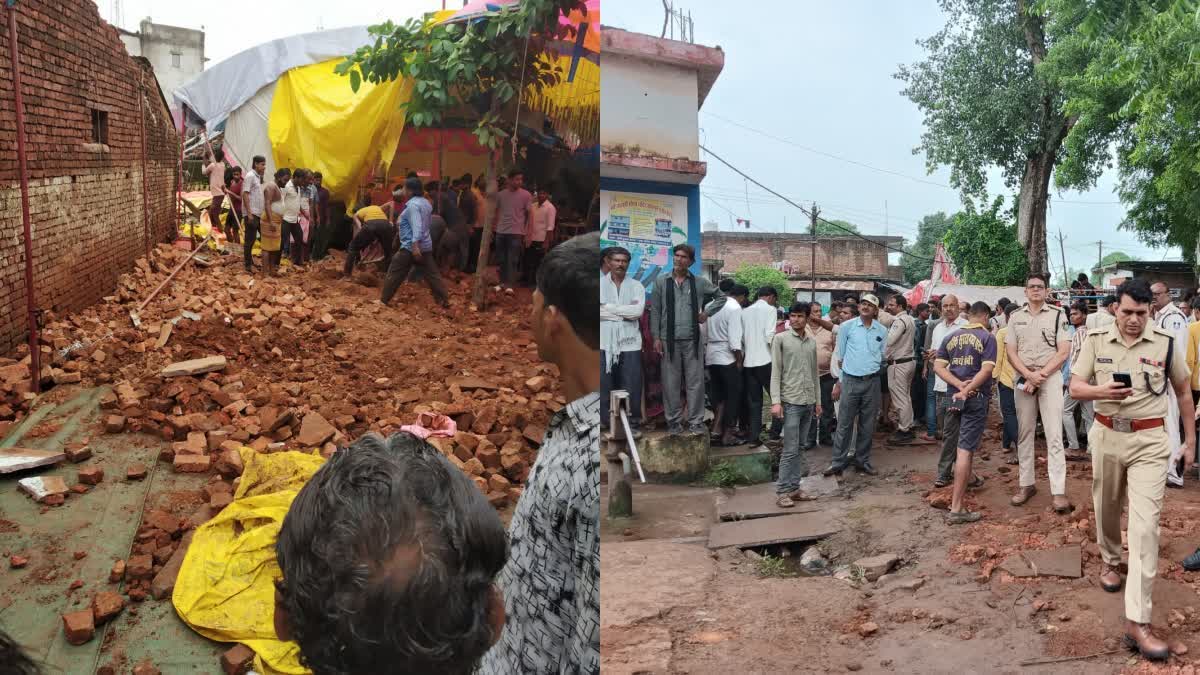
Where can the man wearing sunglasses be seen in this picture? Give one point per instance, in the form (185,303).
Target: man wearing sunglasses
(1037,344)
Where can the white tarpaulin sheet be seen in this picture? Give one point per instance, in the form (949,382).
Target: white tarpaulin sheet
(988,294)
(246,130)
(218,91)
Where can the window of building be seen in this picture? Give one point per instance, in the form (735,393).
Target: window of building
(100,126)
(176,60)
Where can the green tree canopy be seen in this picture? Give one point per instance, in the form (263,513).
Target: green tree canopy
(930,230)
(984,247)
(987,104)
(835,227)
(1139,88)
(757,276)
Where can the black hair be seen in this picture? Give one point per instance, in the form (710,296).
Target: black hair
(851,300)
(616,250)
(922,307)
(466,178)
(411,174)
(726,285)
(515,172)
(317,174)
(388,555)
(980,307)
(567,280)
(1109,300)
(1004,302)
(1012,307)
(413,184)
(800,308)
(1080,305)
(686,248)
(219,154)
(431,186)
(1042,276)
(258,159)
(739,289)
(1138,291)
(1195,304)
(1082,276)
(767,292)
(281,172)
(901,301)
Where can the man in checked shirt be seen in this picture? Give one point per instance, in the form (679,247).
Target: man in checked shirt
(551,584)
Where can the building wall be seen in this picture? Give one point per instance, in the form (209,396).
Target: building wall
(651,107)
(86,200)
(639,269)
(837,256)
(160,43)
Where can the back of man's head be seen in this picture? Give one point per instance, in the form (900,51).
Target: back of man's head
(388,555)
(567,280)
(726,285)
(413,185)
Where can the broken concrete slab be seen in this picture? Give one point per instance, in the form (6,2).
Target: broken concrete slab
(20,459)
(42,487)
(820,486)
(766,531)
(207,364)
(315,430)
(466,383)
(756,501)
(1064,561)
(875,566)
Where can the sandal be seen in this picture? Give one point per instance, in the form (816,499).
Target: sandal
(940,483)
(784,502)
(800,496)
(976,481)
(962,517)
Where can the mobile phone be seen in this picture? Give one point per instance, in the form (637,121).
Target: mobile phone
(1020,383)
(1125,379)
(955,405)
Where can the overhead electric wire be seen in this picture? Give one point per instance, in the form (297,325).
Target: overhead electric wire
(808,213)
(868,166)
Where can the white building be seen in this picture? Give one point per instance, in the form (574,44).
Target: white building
(651,90)
(177,54)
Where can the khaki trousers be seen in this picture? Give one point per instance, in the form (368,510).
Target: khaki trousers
(900,387)
(1130,464)
(1049,400)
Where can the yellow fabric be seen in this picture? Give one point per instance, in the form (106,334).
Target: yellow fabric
(369,213)
(1193,354)
(318,123)
(1004,368)
(225,590)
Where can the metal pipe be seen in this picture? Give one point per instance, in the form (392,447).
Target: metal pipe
(145,162)
(35,354)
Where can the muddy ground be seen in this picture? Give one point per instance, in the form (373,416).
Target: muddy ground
(672,606)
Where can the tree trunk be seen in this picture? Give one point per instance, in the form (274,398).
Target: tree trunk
(1031,216)
(479,293)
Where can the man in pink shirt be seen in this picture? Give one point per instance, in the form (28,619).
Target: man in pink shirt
(215,170)
(541,232)
(512,222)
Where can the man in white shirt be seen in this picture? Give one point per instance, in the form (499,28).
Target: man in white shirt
(723,354)
(901,363)
(541,232)
(758,329)
(252,200)
(1168,317)
(951,321)
(293,235)
(622,302)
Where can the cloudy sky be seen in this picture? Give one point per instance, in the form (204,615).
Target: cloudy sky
(805,80)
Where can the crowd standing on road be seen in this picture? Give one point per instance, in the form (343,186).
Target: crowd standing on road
(1121,380)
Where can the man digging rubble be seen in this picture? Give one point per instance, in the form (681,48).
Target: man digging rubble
(1135,366)
(416,247)
(552,581)
(965,360)
(1037,344)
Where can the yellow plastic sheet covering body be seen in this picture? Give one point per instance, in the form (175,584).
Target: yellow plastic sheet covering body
(318,123)
(226,587)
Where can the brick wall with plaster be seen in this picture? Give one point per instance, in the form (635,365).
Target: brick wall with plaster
(86,198)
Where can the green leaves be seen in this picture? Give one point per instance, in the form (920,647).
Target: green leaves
(755,277)
(984,247)
(355,80)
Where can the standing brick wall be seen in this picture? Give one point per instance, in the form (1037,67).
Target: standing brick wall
(836,256)
(86,200)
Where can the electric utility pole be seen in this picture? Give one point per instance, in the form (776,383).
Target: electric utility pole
(1063,253)
(812,270)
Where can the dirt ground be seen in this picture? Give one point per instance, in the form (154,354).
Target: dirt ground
(672,606)
(313,363)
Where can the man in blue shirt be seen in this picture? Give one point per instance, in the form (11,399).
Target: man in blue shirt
(860,352)
(416,246)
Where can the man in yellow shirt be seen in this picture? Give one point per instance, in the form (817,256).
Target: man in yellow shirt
(1193,349)
(371,224)
(1004,378)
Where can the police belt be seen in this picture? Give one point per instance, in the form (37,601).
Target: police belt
(1126,424)
(896,362)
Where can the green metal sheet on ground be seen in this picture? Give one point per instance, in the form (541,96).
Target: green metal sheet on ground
(102,524)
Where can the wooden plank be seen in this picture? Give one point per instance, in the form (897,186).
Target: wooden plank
(766,531)
(757,501)
(207,364)
(20,459)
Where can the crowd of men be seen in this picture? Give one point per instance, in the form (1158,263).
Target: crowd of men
(420,228)
(1122,380)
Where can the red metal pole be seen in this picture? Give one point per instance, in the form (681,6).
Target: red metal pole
(145,163)
(35,354)
(179,177)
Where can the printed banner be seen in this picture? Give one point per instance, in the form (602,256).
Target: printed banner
(649,225)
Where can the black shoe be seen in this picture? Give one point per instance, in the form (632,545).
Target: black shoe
(1192,562)
(832,471)
(867,469)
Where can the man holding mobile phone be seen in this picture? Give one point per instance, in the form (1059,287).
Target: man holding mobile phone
(1130,446)
(1037,343)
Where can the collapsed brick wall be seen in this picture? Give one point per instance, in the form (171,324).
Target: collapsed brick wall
(86,199)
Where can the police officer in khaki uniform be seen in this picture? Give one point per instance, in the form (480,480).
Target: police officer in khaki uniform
(1037,344)
(1129,446)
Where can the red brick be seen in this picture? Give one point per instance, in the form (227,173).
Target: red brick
(18,561)
(118,572)
(237,661)
(192,463)
(135,472)
(106,606)
(91,475)
(140,567)
(114,424)
(79,627)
